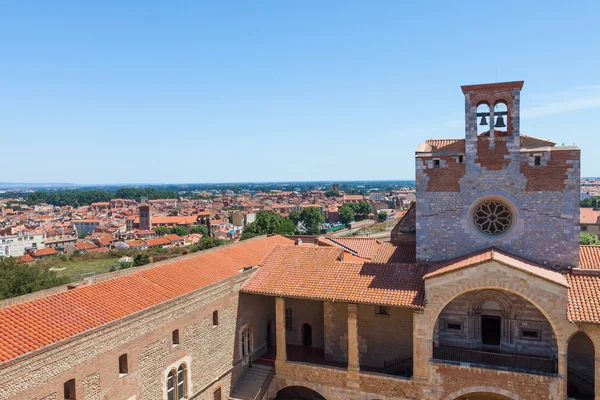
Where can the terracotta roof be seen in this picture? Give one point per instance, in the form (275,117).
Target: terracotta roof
(25,258)
(589,216)
(404,253)
(136,243)
(446,144)
(83,245)
(48,251)
(31,325)
(361,247)
(158,242)
(408,223)
(584,295)
(459,144)
(316,273)
(589,257)
(492,254)
(173,238)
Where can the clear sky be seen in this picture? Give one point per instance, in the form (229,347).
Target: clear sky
(173,91)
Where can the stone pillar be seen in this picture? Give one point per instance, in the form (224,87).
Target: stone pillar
(422,346)
(280,329)
(353,348)
(562,371)
(353,381)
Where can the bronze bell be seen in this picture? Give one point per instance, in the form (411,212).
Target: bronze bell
(499,122)
(483,121)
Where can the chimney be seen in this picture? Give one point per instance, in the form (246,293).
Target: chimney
(298,242)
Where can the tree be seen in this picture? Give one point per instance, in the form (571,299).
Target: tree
(141,259)
(268,222)
(209,242)
(311,219)
(590,202)
(162,230)
(588,238)
(346,213)
(332,193)
(363,208)
(382,216)
(179,230)
(294,215)
(17,279)
(202,229)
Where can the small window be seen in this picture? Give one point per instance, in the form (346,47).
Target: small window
(175,337)
(584,227)
(215,318)
(69,388)
(538,160)
(123,368)
(453,326)
(461,158)
(288,319)
(436,163)
(382,310)
(530,334)
(217,394)
(181,384)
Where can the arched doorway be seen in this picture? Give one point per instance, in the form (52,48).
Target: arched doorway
(483,396)
(306,335)
(298,393)
(580,367)
(495,328)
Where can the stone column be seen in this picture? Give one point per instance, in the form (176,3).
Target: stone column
(353,349)
(280,329)
(353,381)
(562,371)
(422,346)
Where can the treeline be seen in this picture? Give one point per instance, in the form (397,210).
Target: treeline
(590,202)
(86,197)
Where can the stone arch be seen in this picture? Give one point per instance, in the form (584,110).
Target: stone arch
(298,392)
(483,389)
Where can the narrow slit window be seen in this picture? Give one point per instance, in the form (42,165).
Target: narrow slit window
(538,160)
(461,158)
(382,310)
(217,394)
(530,334)
(453,326)
(288,319)
(69,389)
(215,318)
(123,367)
(175,337)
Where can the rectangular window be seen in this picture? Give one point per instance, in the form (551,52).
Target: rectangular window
(461,158)
(584,227)
(217,394)
(69,388)
(175,337)
(180,383)
(453,326)
(382,310)
(288,319)
(215,318)
(123,367)
(538,160)
(436,163)
(243,343)
(530,334)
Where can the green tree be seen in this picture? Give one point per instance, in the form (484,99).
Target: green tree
(202,229)
(141,259)
(162,230)
(179,230)
(311,219)
(588,238)
(209,242)
(346,213)
(268,222)
(294,215)
(332,193)
(363,208)
(382,216)
(18,279)
(590,202)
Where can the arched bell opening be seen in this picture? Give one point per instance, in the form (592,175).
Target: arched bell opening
(500,117)
(483,118)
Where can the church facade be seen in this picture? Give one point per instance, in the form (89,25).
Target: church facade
(483,293)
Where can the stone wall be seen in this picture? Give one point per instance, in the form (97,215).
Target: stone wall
(383,337)
(305,312)
(336,331)
(92,358)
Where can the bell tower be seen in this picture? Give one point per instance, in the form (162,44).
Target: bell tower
(497,187)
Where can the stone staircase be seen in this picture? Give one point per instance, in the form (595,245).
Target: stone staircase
(250,384)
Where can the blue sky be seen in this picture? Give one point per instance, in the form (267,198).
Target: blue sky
(117,92)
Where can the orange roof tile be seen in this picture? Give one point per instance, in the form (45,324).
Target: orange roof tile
(31,325)
(589,257)
(405,253)
(584,298)
(362,247)
(589,216)
(316,273)
(83,245)
(48,251)
(158,242)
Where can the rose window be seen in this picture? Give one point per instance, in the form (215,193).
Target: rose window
(492,218)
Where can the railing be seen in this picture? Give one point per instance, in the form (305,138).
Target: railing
(581,382)
(265,386)
(401,366)
(548,365)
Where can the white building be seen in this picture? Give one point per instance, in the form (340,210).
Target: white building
(16,245)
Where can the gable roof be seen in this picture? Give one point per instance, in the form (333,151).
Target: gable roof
(34,324)
(492,254)
(589,216)
(361,247)
(589,256)
(408,222)
(583,305)
(316,273)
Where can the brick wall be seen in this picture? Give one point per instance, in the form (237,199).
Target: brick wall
(305,312)
(336,331)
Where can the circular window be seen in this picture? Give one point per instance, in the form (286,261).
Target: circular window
(492,218)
